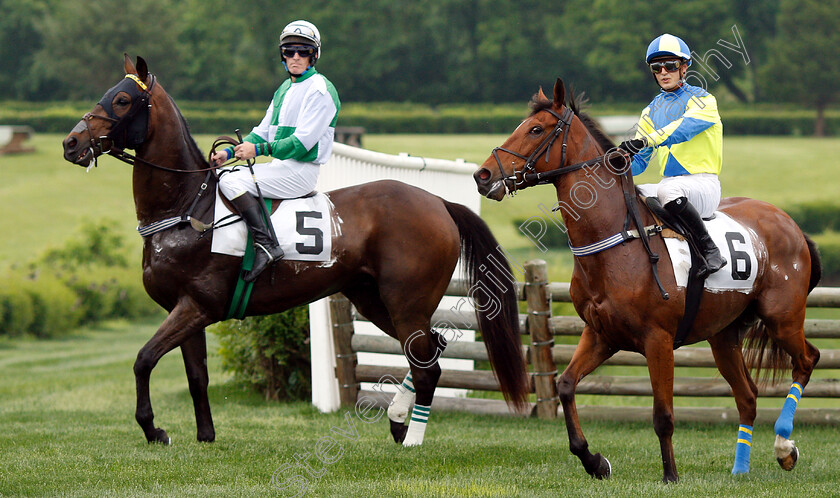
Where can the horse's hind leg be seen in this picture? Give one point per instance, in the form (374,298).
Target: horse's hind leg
(365,296)
(726,348)
(194,351)
(182,323)
(589,354)
(786,329)
(804,357)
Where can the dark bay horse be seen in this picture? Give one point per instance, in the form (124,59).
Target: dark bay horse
(615,292)
(394,257)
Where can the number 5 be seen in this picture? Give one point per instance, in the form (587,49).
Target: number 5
(304,230)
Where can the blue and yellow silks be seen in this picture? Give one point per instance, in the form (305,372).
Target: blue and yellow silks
(684,131)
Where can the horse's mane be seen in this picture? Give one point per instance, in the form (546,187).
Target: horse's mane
(194,149)
(577,102)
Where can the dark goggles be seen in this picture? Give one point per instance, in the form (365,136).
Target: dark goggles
(302,50)
(670,66)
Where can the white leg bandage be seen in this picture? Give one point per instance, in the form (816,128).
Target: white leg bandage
(417,426)
(398,410)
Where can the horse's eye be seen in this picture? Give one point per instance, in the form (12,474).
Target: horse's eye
(122,101)
(537,130)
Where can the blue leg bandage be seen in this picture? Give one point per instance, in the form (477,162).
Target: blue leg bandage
(784,424)
(742,450)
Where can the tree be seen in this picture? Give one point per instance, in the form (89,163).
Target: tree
(804,67)
(84,42)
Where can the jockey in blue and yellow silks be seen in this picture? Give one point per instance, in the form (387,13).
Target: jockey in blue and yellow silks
(681,132)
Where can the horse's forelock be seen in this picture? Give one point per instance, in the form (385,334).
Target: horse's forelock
(539,103)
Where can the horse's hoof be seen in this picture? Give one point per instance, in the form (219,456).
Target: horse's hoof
(789,462)
(160,436)
(604,469)
(398,430)
(206,438)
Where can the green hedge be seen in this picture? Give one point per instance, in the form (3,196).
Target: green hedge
(86,281)
(269,353)
(223,117)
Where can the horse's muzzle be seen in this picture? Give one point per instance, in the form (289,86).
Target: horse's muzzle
(77,151)
(487,186)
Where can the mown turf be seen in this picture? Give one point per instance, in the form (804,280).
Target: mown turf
(67,429)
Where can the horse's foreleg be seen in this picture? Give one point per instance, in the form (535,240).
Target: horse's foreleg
(589,354)
(182,323)
(726,348)
(194,351)
(660,360)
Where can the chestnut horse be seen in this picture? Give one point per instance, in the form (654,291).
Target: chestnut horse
(617,296)
(393,258)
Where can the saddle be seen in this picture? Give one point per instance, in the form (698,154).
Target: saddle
(694,288)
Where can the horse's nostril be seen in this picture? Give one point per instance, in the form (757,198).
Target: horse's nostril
(484,174)
(71,143)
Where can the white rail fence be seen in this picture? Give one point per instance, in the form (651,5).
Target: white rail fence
(451,180)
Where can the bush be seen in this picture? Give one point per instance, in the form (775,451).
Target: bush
(16,308)
(829,247)
(816,217)
(270,353)
(55,306)
(85,281)
(397,117)
(553,238)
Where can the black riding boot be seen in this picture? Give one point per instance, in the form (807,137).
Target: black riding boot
(266,251)
(681,209)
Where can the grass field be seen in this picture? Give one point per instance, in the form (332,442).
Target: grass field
(67,429)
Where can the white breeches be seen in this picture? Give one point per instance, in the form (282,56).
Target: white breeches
(286,179)
(702,190)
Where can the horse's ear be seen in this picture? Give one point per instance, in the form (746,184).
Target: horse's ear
(559,93)
(129,66)
(541,95)
(142,68)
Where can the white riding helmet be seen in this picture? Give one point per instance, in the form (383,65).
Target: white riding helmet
(302,32)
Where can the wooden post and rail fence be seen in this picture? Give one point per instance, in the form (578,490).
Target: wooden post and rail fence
(544,358)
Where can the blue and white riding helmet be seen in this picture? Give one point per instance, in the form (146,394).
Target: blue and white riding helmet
(668,45)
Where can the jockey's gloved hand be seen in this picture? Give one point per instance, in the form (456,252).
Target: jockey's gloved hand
(633,146)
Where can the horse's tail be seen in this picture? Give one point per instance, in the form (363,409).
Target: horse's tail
(816,263)
(493,290)
(761,352)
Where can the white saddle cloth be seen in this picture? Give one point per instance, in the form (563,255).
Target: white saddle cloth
(736,245)
(303,228)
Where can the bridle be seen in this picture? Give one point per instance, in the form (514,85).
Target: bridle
(528,177)
(524,177)
(128,131)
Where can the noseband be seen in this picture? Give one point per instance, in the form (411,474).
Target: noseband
(128,130)
(525,177)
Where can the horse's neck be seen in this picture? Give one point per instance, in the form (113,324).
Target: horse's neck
(591,200)
(161,194)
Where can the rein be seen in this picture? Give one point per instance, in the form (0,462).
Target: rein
(141,102)
(530,177)
(562,126)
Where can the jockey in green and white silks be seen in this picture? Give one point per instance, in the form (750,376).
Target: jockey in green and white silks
(297,132)
(681,131)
